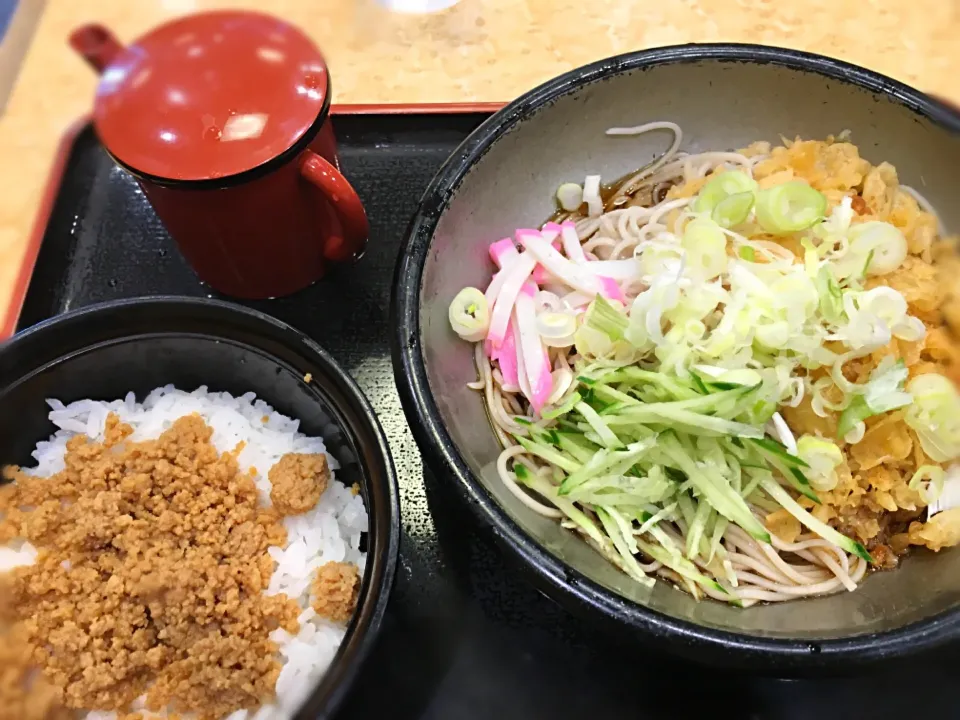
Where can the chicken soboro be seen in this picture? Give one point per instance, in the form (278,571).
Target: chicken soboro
(335,590)
(150,575)
(297,481)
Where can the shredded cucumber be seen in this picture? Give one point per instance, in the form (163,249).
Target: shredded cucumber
(560,410)
(716,491)
(683,567)
(575,445)
(628,561)
(648,521)
(619,490)
(614,395)
(634,375)
(787,465)
(695,531)
(723,403)
(719,528)
(607,437)
(577,516)
(637,447)
(772,488)
(602,461)
(551,455)
(692,422)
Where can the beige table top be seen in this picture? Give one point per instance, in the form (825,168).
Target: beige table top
(480,50)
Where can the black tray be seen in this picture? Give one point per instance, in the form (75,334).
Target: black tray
(464,636)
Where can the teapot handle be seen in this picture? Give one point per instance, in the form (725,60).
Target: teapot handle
(346,204)
(95,44)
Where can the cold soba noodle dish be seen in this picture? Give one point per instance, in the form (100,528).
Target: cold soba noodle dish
(733,370)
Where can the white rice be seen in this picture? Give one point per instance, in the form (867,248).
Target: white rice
(329,532)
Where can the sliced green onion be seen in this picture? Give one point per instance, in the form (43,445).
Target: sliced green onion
(884,389)
(935,416)
(882,392)
(854,414)
(811,257)
(720,187)
(790,207)
(866,264)
(928,481)
(706,247)
(748,253)
(570,196)
(931,385)
(733,209)
(774,335)
(882,245)
(830,296)
(556,329)
(470,315)
(822,457)
(604,317)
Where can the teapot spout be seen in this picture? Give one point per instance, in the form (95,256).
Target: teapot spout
(95,44)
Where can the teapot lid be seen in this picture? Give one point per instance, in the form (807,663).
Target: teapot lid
(211,95)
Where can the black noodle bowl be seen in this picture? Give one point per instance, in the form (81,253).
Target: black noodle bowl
(486,190)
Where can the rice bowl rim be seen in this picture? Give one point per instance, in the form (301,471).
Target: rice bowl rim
(265,335)
(441,451)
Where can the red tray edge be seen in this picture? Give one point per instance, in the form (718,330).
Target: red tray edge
(42,217)
(55,177)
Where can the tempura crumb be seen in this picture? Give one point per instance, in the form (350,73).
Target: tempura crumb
(150,576)
(355,489)
(308,377)
(297,482)
(335,591)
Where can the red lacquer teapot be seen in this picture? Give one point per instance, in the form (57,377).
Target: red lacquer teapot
(223,118)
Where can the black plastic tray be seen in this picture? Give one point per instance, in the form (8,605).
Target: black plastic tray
(464,636)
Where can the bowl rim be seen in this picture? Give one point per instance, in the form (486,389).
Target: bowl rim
(382,567)
(438,447)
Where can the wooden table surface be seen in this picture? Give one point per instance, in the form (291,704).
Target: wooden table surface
(480,50)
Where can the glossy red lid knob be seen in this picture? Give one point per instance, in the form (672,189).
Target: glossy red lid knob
(210,95)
